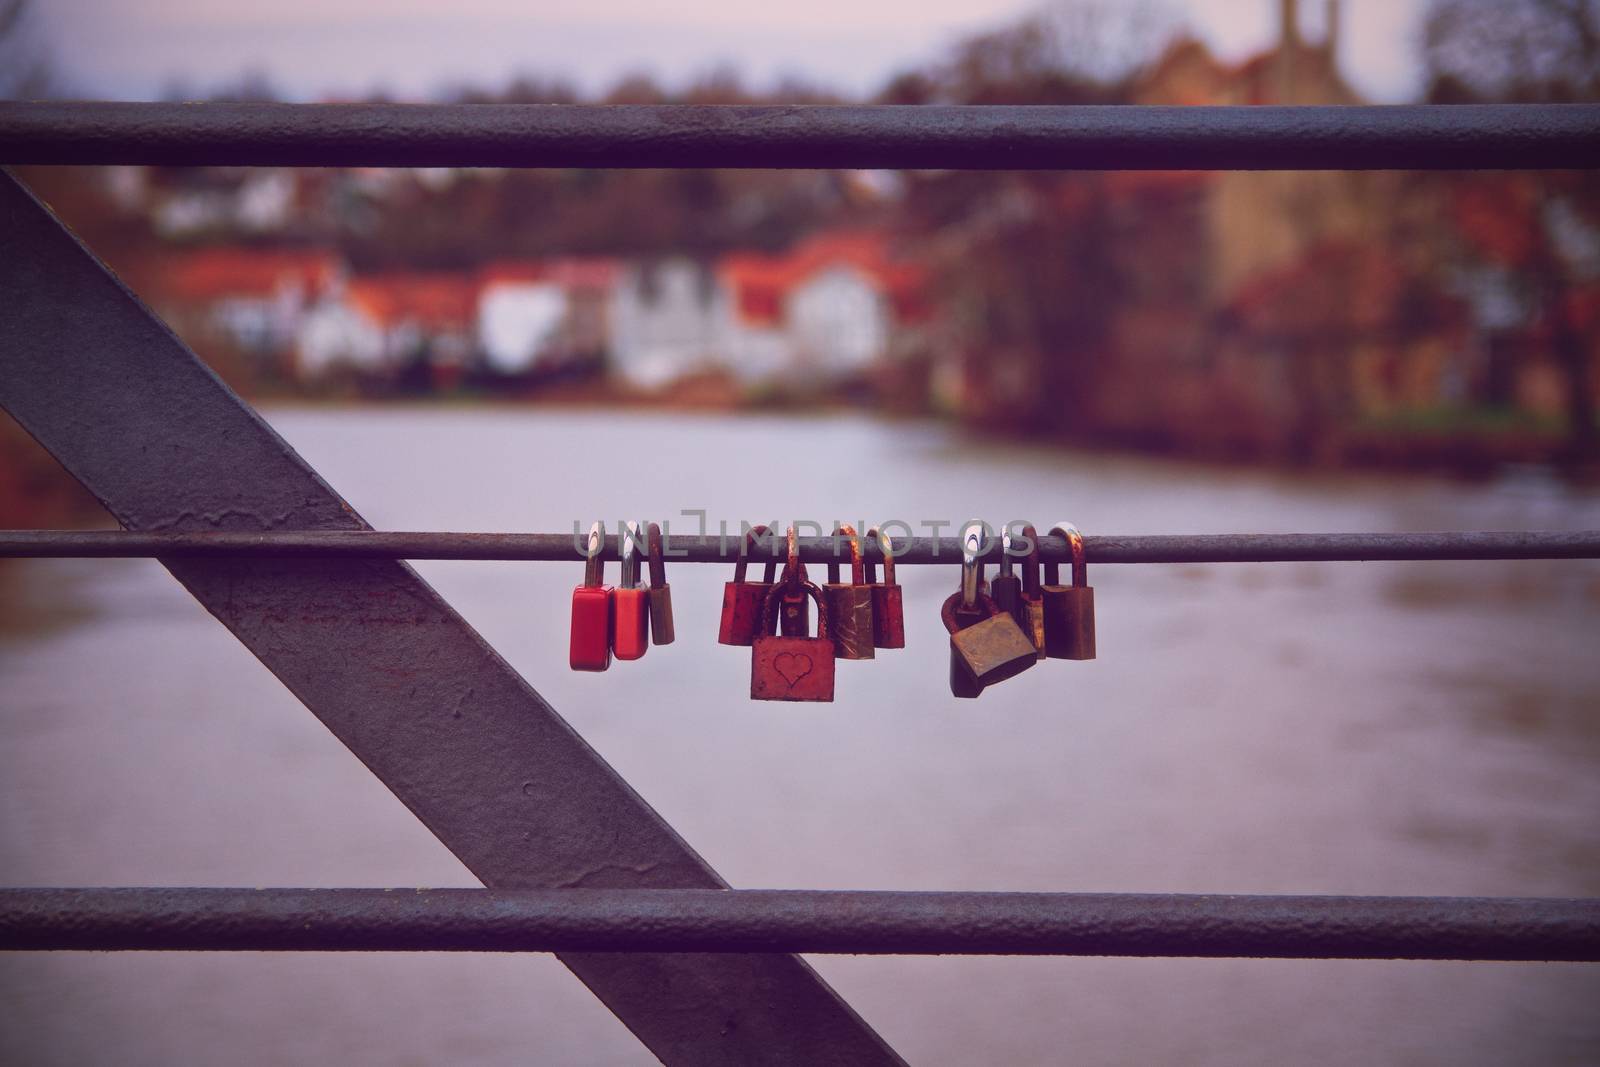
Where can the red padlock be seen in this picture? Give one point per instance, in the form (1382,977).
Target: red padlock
(743,602)
(592,604)
(788,667)
(630,637)
(888,608)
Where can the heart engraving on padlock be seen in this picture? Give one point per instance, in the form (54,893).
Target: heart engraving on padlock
(792,666)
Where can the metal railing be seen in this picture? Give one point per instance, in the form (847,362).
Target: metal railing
(700,973)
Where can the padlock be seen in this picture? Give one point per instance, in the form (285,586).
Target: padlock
(987,644)
(661,628)
(630,637)
(794,610)
(1030,604)
(888,609)
(593,603)
(793,668)
(962,684)
(849,604)
(1069,609)
(743,602)
(1006,587)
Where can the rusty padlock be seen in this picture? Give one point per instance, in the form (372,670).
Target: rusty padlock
(849,604)
(661,628)
(986,645)
(1006,589)
(592,606)
(630,637)
(1069,609)
(793,668)
(888,607)
(743,602)
(1030,604)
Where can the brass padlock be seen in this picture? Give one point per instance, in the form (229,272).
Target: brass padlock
(661,628)
(1069,609)
(849,603)
(888,605)
(986,645)
(1030,605)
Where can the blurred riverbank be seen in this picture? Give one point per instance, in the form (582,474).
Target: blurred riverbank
(1401,728)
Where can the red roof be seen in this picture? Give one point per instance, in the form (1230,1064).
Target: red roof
(216,273)
(760,282)
(436,301)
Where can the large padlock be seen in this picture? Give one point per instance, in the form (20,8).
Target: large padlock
(962,684)
(1069,609)
(630,638)
(592,606)
(986,645)
(1006,589)
(743,602)
(793,668)
(661,627)
(1029,612)
(849,604)
(888,607)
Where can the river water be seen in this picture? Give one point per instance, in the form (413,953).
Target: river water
(1393,728)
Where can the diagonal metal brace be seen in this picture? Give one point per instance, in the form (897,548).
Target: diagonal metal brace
(375,653)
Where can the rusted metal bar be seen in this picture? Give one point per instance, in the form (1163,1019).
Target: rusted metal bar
(711,921)
(389,667)
(1507,136)
(1177,548)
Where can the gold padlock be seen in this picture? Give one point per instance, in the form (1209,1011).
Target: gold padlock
(1069,609)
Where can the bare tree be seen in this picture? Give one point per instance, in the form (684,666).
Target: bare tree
(1535,51)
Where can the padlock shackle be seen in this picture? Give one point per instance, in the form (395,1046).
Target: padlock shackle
(658,565)
(1080,564)
(594,566)
(1005,552)
(885,549)
(1030,565)
(745,544)
(768,610)
(628,538)
(858,573)
(971,569)
(947,611)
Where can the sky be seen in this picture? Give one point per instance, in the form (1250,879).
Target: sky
(413,49)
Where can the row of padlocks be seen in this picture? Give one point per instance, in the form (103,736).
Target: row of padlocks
(998,629)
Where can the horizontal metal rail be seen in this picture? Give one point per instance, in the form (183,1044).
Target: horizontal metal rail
(1417,137)
(690,548)
(701,920)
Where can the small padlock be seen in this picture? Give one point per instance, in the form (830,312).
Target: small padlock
(743,602)
(630,638)
(888,608)
(1069,609)
(794,612)
(987,644)
(962,684)
(793,668)
(850,604)
(661,628)
(1006,589)
(592,607)
(1030,604)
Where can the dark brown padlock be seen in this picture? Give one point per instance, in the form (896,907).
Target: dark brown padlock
(987,644)
(1030,605)
(794,610)
(1006,589)
(743,602)
(1069,609)
(888,606)
(849,603)
(793,668)
(661,628)
(962,684)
